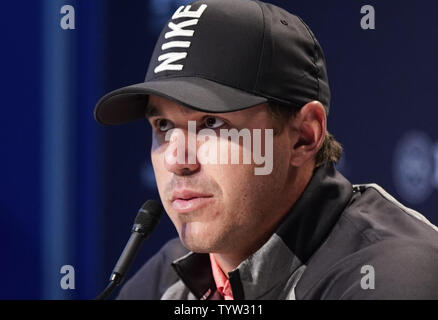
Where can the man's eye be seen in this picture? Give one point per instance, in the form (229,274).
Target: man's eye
(164,125)
(213,122)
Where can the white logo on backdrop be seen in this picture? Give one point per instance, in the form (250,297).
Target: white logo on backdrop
(415,168)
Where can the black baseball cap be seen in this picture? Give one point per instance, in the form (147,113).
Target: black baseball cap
(223,56)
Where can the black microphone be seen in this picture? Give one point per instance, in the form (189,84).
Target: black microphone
(145,222)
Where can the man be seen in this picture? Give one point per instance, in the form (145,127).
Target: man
(292,229)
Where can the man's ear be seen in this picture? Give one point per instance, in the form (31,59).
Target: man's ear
(309,129)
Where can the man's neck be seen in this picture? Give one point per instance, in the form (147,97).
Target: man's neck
(230,261)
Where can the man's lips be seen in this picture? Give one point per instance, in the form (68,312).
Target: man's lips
(187,200)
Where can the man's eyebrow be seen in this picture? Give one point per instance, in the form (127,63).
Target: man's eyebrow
(151,111)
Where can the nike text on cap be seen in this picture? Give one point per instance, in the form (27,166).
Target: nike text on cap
(223,56)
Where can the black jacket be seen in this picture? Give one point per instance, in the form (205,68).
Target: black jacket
(338,241)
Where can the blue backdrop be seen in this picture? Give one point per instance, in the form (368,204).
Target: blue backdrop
(70,188)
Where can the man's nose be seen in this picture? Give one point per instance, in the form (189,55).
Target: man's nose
(180,156)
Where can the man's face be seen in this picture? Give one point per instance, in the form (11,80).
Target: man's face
(224,206)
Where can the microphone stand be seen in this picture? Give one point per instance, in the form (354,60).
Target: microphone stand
(109,288)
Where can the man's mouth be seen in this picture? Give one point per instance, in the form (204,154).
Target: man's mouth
(184,201)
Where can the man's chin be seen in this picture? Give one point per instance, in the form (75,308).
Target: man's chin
(200,243)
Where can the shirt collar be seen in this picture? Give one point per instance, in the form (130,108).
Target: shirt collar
(222,283)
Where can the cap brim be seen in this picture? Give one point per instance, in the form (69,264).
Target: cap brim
(128,103)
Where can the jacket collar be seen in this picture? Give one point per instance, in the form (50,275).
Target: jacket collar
(299,235)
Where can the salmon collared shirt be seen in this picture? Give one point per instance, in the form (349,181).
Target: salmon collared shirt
(222,283)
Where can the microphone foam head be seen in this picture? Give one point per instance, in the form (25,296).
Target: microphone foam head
(149,215)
